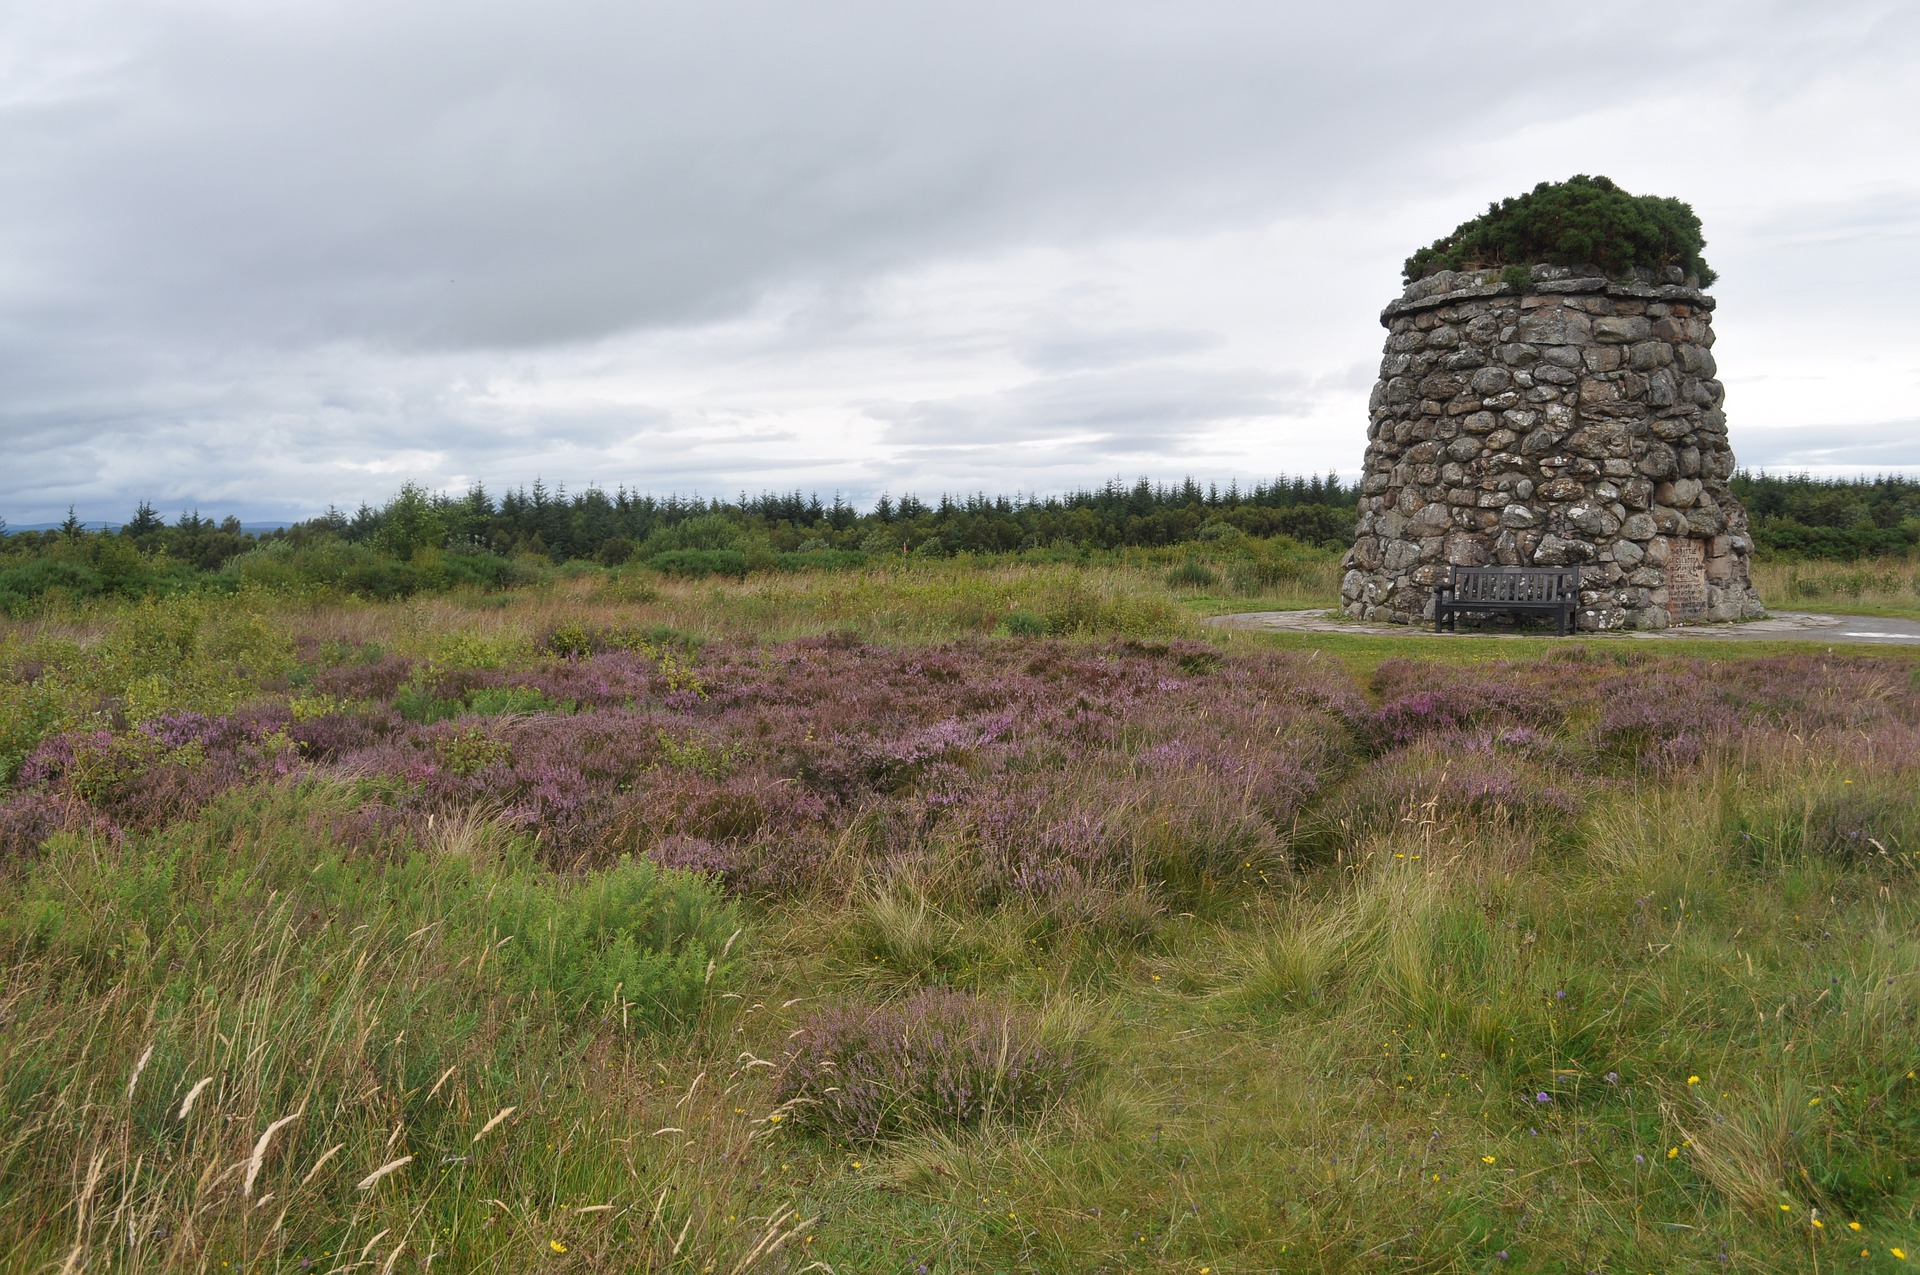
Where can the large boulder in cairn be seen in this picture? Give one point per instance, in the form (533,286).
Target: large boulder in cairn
(1552,415)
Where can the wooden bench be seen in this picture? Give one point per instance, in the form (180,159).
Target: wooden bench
(1546,590)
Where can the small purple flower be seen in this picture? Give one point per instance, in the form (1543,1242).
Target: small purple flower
(1613,1077)
(1560,996)
(1543,1097)
(1639,1159)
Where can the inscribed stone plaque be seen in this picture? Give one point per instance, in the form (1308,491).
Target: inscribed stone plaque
(1686,578)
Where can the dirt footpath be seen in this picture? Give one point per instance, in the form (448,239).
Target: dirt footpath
(1779,626)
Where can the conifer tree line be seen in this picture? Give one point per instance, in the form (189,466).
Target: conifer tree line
(612,527)
(421,540)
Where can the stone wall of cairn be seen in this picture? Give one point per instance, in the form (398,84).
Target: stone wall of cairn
(1573,421)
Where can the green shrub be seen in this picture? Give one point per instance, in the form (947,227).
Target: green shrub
(1023,623)
(1578,222)
(1075,610)
(708,531)
(822,559)
(476,570)
(1218,530)
(613,551)
(698,753)
(471,751)
(492,700)
(1279,563)
(190,654)
(640,938)
(700,562)
(371,571)
(1192,574)
(417,701)
(24,585)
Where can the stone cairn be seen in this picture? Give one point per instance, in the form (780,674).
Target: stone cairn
(1572,421)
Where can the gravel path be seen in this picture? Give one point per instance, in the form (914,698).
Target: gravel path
(1790,626)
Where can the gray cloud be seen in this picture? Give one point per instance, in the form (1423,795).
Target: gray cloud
(1879,447)
(1134,409)
(267,258)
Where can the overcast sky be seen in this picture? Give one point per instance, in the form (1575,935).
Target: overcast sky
(259,256)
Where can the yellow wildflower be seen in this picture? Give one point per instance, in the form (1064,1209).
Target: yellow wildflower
(556,1246)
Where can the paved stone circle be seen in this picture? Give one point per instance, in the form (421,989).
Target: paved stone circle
(1573,420)
(1788,626)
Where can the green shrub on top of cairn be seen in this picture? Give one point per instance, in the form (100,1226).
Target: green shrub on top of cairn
(1583,221)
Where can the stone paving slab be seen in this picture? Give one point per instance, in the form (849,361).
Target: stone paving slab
(1779,626)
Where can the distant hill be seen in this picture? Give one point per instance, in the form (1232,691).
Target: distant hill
(249,528)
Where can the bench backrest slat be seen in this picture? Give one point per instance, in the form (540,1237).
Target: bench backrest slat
(1516,584)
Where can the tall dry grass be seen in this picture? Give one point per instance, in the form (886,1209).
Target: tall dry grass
(1879,586)
(255,1083)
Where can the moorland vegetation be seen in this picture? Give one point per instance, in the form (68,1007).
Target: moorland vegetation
(942,914)
(1249,542)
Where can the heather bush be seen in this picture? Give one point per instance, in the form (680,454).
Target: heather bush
(28,819)
(356,677)
(941,1060)
(164,768)
(1420,699)
(1512,784)
(762,764)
